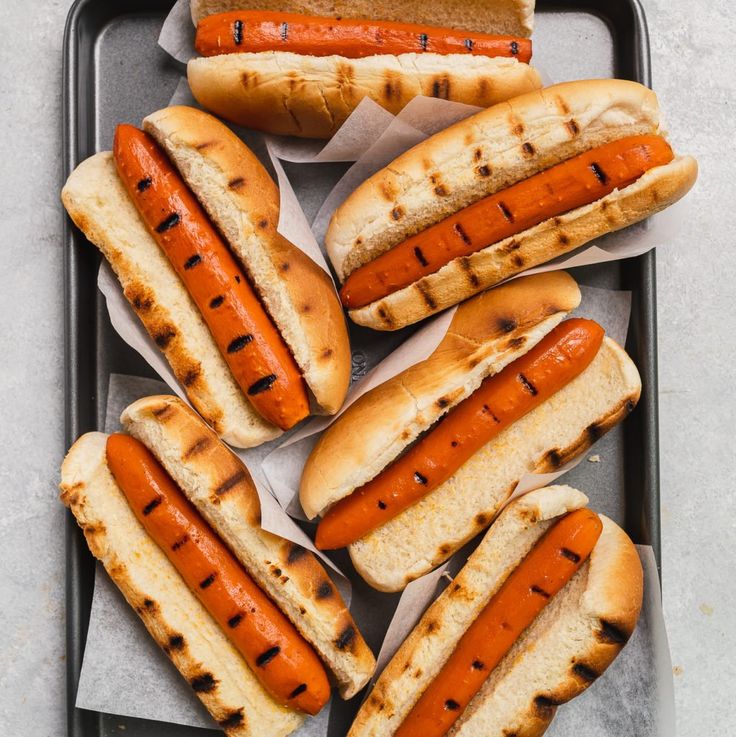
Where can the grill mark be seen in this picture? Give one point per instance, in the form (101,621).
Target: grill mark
(545,707)
(484,170)
(555,458)
(163,338)
(595,431)
(265,658)
(423,40)
(514,48)
(207,582)
(381,504)
(284,31)
(585,672)
(149,603)
(162,411)
(600,175)
(190,377)
(192,261)
(324,591)
(538,590)
(168,223)
(237,344)
(468,269)
(228,484)
(151,506)
(345,638)
(469,44)
(419,478)
(236,183)
(203,683)
(429,300)
(296,552)
(507,324)
(573,127)
(441,88)
(235,620)
(451,705)
(144,184)
(238,32)
(234,719)
(460,233)
(176,642)
(478,665)
(420,256)
(527,148)
(527,385)
(506,212)
(183,540)
(611,634)
(216,302)
(262,385)
(570,555)
(489,411)
(300,689)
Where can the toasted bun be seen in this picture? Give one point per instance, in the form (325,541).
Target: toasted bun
(219,485)
(243,203)
(574,639)
(559,429)
(512,17)
(480,155)
(461,278)
(97,202)
(312,96)
(173,615)
(485,334)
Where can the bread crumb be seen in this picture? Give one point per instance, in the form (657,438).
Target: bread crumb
(706,609)
(594,459)
(677,670)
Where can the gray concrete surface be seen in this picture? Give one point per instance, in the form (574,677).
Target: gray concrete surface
(695,75)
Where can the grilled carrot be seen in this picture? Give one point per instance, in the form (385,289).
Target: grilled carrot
(260,30)
(247,338)
(281,659)
(573,183)
(552,562)
(500,400)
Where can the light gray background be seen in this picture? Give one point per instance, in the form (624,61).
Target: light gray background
(695,76)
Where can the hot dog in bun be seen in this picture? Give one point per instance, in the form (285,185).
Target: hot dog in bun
(504,190)
(539,611)
(421,464)
(251,326)
(251,620)
(301,68)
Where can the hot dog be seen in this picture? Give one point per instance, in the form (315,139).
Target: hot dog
(258,30)
(187,218)
(255,352)
(500,400)
(541,608)
(175,519)
(555,191)
(418,466)
(502,191)
(281,659)
(284,70)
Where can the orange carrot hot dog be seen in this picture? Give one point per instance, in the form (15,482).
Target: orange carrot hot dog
(249,342)
(573,183)
(500,400)
(258,30)
(544,571)
(281,659)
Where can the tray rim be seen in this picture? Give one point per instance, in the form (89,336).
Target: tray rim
(84,723)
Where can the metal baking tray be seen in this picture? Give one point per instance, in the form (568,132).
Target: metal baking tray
(113,72)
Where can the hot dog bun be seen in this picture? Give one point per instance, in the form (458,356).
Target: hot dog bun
(311,97)
(242,201)
(219,485)
(567,647)
(485,154)
(383,422)
(173,615)
(510,17)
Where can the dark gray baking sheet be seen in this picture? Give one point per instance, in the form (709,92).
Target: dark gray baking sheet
(115,72)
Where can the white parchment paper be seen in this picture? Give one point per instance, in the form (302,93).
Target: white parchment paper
(634,697)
